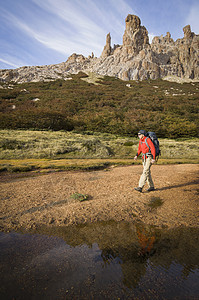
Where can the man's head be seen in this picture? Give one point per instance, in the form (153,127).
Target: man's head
(141,134)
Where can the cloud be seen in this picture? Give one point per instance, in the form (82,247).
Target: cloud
(61,40)
(122,7)
(65,26)
(82,16)
(65,29)
(78,29)
(47,31)
(9,63)
(89,21)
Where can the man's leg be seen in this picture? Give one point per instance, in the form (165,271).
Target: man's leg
(146,174)
(149,178)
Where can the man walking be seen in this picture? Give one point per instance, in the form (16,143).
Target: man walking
(147,148)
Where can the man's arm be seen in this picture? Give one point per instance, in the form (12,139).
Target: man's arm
(139,151)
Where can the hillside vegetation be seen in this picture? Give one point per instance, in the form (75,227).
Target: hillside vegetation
(113,106)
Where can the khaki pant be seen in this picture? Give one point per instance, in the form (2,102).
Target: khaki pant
(146,175)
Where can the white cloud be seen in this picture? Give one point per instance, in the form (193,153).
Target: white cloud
(67,26)
(9,63)
(122,7)
(89,21)
(76,16)
(60,39)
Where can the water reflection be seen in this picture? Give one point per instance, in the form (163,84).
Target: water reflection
(101,261)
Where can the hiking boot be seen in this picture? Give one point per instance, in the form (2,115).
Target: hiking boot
(151,189)
(139,189)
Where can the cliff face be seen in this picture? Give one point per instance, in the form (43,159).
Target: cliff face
(135,59)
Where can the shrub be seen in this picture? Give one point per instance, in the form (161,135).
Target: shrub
(35,120)
(109,107)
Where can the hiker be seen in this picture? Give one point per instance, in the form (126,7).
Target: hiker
(147,148)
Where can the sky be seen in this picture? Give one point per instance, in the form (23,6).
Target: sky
(44,32)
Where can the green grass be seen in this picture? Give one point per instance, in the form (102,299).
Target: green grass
(25,144)
(155,202)
(80,197)
(26,150)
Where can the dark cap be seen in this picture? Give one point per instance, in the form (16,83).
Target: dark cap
(142,132)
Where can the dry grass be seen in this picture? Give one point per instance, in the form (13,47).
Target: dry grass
(28,150)
(92,78)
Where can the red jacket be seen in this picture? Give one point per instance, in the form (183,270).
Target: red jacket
(142,148)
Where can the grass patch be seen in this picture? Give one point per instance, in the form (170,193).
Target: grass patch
(80,197)
(155,202)
(26,144)
(26,150)
(25,165)
(93,78)
(46,165)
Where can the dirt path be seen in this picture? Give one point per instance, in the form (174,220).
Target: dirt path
(28,202)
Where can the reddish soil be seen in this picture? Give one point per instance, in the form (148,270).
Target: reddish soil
(28,201)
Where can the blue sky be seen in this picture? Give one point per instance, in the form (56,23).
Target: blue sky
(43,32)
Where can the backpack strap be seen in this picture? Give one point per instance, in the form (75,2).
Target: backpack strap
(147,146)
(148,153)
(146,142)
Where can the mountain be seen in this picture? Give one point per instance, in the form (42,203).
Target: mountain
(135,59)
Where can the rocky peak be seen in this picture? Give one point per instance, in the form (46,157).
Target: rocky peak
(132,23)
(107,48)
(74,58)
(135,59)
(187,32)
(135,36)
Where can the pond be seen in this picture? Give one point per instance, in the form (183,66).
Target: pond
(104,260)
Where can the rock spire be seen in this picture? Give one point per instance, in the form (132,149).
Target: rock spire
(135,59)
(107,48)
(135,36)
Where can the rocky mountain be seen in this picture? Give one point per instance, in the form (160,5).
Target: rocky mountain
(135,59)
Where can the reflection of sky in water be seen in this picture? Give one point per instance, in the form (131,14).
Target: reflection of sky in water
(104,260)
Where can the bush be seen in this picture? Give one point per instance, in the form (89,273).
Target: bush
(35,120)
(108,107)
(11,144)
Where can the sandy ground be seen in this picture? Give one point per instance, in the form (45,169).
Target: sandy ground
(28,201)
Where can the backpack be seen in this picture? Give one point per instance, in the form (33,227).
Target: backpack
(155,141)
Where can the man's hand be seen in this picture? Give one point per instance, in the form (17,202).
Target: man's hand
(153,161)
(135,158)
